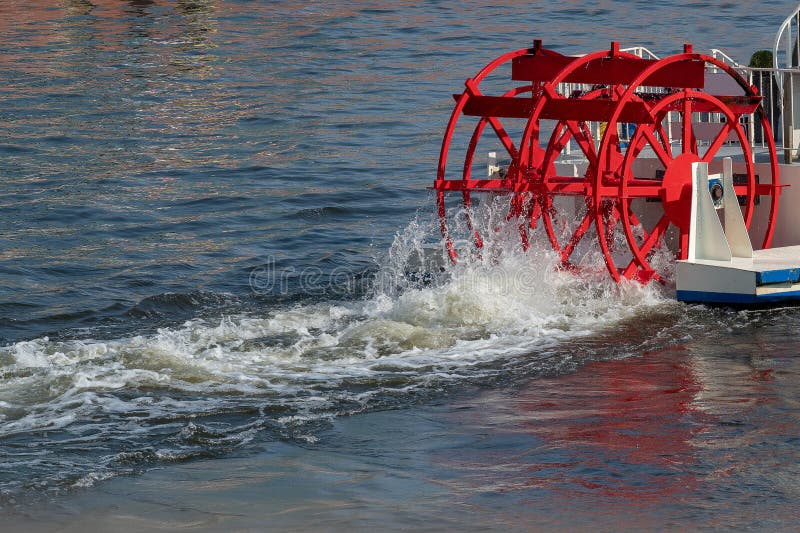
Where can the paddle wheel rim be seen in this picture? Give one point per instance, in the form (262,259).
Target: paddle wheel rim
(471,89)
(469,160)
(525,161)
(543,208)
(578,186)
(627,189)
(583,184)
(606,169)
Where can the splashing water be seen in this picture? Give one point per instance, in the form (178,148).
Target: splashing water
(114,406)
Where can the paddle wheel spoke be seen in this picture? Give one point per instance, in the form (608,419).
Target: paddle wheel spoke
(473,145)
(504,138)
(577,235)
(611,216)
(641,188)
(563,137)
(494,122)
(688,141)
(637,144)
(442,212)
(633,218)
(717,143)
(526,244)
(650,241)
(587,133)
(536,212)
(651,238)
(664,138)
(528,209)
(547,215)
(467,201)
(585,143)
(481,126)
(662,154)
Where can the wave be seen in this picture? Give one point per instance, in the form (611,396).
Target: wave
(107,407)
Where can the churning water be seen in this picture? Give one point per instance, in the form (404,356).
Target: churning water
(212,383)
(216,236)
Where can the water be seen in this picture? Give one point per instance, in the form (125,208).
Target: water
(210,221)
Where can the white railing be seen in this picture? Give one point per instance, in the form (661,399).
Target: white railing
(724,58)
(786,72)
(641,51)
(786,49)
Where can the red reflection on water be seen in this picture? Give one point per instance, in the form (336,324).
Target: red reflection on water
(611,430)
(629,421)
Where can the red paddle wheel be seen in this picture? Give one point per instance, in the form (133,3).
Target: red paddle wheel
(612,133)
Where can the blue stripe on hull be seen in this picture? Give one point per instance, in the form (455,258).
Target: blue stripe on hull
(791,275)
(733,298)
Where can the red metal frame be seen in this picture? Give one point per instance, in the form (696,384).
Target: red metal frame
(608,185)
(675,194)
(614,179)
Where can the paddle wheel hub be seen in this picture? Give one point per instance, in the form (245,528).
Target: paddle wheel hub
(676,190)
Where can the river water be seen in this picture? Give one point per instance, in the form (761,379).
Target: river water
(211,219)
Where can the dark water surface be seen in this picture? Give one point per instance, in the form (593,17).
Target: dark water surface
(209,215)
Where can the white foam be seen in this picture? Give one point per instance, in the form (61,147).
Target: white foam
(500,305)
